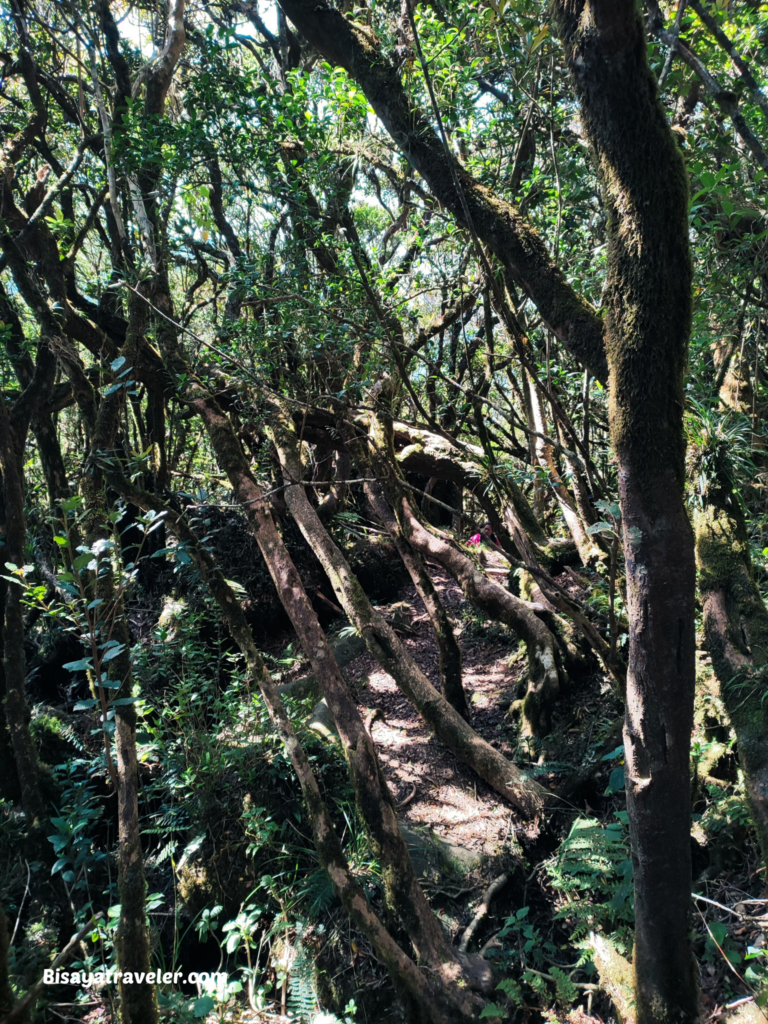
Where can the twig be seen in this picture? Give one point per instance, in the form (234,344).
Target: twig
(411,795)
(18,1013)
(585,986)
(722,906)
(668,62)
(497,884)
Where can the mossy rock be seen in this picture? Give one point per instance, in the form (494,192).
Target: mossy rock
(345,649)
(434,857)
(321,722)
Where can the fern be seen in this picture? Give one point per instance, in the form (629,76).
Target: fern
(593,871)
(316,894)
(302,995)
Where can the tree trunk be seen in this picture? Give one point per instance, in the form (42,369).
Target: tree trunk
(648,322)
(14,657)
(385,646)
(6,992)
(736,632)
(448,648)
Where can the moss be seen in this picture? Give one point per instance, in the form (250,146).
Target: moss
(615,978)
(649,283)
(722,554)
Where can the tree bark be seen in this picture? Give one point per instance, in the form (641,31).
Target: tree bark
(14,657)
(449,651)
(648,322)
(736,634)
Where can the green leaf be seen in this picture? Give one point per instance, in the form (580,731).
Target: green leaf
(117,363)
(618,752)
(601,527)
(113,653)
(79,666)
(85,705)
(203,1006)
(110,684)
(13,579)
(493,1010)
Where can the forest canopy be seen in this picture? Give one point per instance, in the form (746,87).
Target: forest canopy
(383,518)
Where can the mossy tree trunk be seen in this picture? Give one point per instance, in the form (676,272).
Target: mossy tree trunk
(448,648)
(736,632)
(543,667)
(648,322)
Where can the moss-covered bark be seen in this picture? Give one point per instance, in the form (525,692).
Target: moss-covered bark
(448,648)
(648,302)
(736,633)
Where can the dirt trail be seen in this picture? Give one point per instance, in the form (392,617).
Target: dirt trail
(448,797)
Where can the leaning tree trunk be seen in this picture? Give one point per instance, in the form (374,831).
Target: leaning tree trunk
(736,632)
(648,322)
(386,648)
(543,670)
(449,652)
